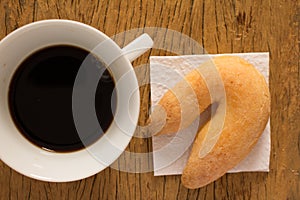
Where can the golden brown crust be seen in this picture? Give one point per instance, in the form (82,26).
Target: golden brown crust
(183,100)
(247,112)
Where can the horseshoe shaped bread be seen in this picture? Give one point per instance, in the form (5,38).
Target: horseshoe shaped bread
(247,113)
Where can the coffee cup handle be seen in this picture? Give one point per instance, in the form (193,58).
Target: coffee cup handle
(137,47)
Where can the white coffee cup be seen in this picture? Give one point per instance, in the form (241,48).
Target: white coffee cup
(35,162)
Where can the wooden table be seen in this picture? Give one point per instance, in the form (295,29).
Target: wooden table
(220,27)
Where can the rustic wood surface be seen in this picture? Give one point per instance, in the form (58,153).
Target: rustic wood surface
(221,27)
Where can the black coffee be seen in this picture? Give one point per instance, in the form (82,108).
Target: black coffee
(40,98)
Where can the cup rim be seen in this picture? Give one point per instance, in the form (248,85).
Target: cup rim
(36,162)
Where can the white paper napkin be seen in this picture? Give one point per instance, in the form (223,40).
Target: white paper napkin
(169,155)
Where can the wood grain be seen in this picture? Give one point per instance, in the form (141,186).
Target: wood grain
(221,27)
